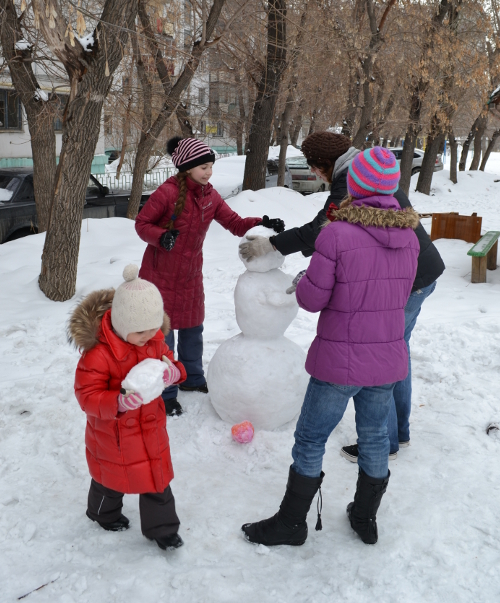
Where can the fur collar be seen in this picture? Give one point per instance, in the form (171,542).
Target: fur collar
(375,216)
(84,325)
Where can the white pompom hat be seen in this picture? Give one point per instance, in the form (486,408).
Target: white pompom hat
(137,305)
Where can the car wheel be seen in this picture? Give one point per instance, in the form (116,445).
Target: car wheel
(415,171)
(322,188)
(22,232)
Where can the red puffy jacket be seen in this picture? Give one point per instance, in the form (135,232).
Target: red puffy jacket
(178,273)
(128,452)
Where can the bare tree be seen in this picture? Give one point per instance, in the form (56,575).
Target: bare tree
(89,74)
(267,94)
(20,54)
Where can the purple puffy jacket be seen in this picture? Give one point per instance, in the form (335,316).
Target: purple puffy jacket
(360,278)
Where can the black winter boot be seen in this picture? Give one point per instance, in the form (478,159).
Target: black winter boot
(289,525)
(172,407)
(122,523)
(362,512)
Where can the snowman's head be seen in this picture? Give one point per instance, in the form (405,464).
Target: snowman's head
(264,263)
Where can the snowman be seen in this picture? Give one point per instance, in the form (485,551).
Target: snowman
(259,375)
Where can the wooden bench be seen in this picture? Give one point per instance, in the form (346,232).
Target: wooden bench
(484,255)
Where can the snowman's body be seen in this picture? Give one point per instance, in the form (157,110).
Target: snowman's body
(259,375)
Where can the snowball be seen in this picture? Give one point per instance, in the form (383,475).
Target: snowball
(263,308)
(271,260)
(261,381)
(242,432)
(146,378)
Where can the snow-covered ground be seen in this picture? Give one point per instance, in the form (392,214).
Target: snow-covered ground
(439,523)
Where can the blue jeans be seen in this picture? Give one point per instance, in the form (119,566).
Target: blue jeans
(323,408)
(190,353)
(399,416)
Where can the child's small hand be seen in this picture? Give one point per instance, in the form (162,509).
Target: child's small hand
(171,374)
(295,282)
(129,400)
(168,238)
(276,224)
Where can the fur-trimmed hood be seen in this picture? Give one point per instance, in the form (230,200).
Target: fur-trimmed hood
(381,216)
(85,322)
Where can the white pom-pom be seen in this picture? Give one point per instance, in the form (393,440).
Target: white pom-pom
(130,272)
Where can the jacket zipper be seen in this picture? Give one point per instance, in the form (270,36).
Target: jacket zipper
(202,209)
(117,432)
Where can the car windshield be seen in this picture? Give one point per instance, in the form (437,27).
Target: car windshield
(297,162)
(8,186)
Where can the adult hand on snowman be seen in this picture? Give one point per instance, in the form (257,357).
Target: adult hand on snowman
(295,282)
(255,246)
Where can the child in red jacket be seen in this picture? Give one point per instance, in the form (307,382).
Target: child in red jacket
(174,223)
(126,439)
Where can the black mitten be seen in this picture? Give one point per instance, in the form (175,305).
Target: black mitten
(168,238)
(276,224)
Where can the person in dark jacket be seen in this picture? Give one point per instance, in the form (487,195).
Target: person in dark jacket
(329,156)
(359,279)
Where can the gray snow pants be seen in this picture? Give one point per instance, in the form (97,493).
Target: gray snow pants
(157,509)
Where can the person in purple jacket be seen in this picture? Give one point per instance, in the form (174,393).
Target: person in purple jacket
(359,279)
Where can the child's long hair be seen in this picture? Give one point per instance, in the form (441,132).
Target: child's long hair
(181,199)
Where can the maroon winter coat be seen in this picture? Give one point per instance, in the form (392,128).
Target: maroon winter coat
(178,273)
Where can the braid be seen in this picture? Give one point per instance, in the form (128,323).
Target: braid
(181,199)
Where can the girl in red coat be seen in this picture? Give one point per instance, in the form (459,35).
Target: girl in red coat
(174,223)
(126,439)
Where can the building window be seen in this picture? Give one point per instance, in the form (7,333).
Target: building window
(201,96)
(10,110)
(62,99)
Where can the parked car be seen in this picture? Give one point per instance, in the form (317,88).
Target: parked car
(303,180)
(272,174)
(18,210)
(418,156)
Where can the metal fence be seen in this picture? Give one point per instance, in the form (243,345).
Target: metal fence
(152,180)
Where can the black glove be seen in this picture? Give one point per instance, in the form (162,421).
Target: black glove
(275,223)
(167,240)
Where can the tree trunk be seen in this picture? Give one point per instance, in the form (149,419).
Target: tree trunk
(172,96)
(453,157)
(478,135)
(467,143)
(407,155)
(297,125)
(240,124)
(489,149)
(183,121)
(267,93)
(40,113)
(89,88)
(432,148)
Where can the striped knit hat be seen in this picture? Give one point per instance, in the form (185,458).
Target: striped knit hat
(188,153)
(373,172)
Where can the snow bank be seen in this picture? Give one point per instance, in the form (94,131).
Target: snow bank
(439,522)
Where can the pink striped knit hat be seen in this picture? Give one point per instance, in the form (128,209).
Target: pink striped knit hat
(373,172)
(188,153)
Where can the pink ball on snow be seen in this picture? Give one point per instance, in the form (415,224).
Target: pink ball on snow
(242,432)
